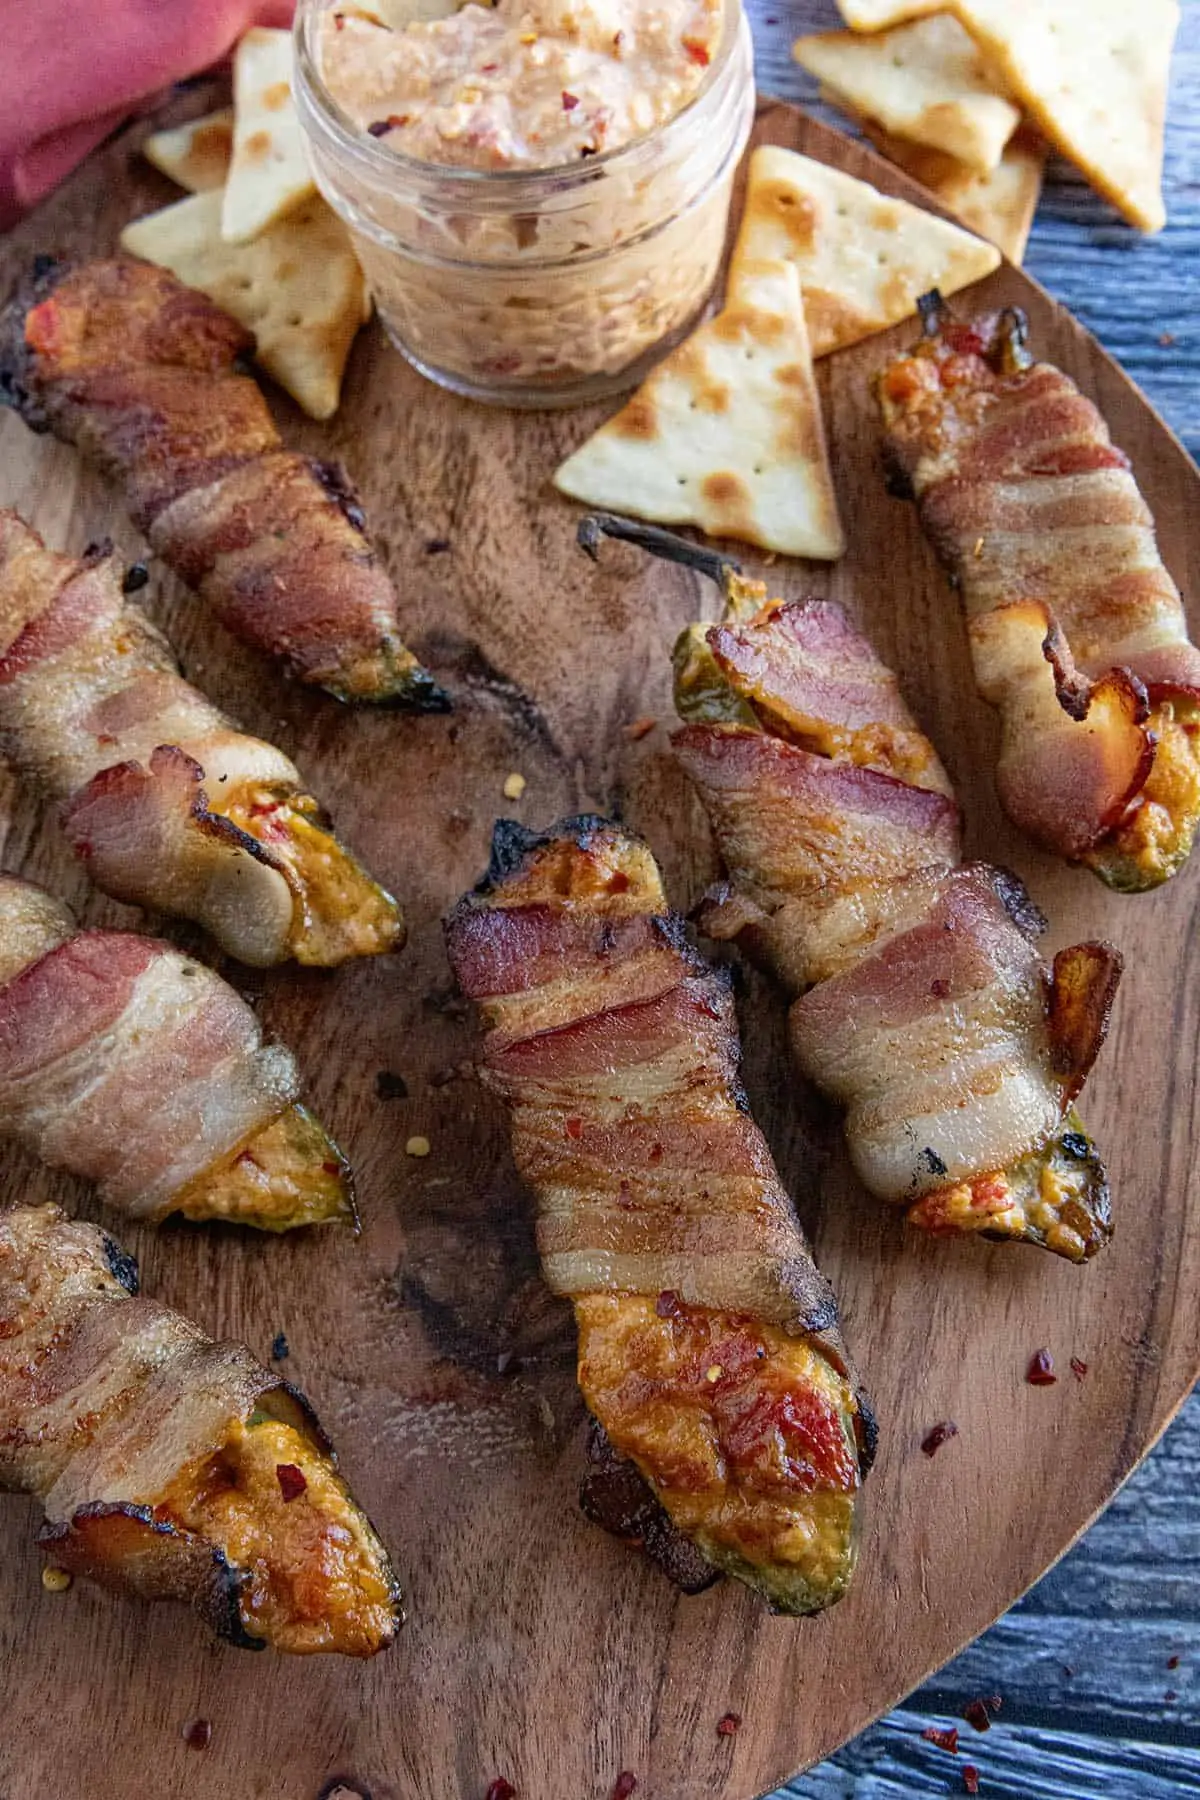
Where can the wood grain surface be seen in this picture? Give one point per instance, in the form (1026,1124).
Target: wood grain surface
(537,1649)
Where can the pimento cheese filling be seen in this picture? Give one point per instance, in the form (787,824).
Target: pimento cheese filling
(520,85)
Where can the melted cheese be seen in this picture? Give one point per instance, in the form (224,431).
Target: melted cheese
(745,1434)
(339,911)
(289,1174)
(316,1576)
(1156,839)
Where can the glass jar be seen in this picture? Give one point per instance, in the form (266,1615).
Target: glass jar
(548,287)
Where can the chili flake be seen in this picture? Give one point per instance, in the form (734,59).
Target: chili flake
(1078,1369)
(945,1737)
(1172,1662)
(501,1790)
(1040,1372)
(574,1128)
(639,729)
(971,1778)
(197,1734)
(729,1724)
(978,1715)
(941,1434)
(698,52)
(569,101)
(291,1481)
(625,1785)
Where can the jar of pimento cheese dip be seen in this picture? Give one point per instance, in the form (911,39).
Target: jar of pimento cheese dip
(538,190)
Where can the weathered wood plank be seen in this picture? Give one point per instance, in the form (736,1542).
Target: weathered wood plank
(892,1762)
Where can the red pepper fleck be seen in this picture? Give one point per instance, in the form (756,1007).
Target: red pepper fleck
(618,883)
(945,1737)
(939,989)
(569,101)
(1172,1662)
(971,1778)
(339,21)
(729,1724)
(639,729)
(197,1734)
(667,1305)
(625,1785)
(1170,1695)
(618,39)
(574,1128)
(656,1154)
(501,1790)
(1040,1372)
(291,1481)
(42,332)
(977,1716)
(698,52)
(488,68)
(332,1168)
(941,1434)
(1078,1369)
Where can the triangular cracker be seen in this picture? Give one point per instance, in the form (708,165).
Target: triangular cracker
(1093,74)
(999,206)
(195,155)
(880,15)
(926,81)
(863,259)
(297,287)
(269,173)
(726,433)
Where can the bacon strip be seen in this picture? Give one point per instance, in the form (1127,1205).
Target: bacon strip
(1077,630)
(140,372)
(166,802)
(137,1068)
(709,1347)
(139,1435)
(919,1001)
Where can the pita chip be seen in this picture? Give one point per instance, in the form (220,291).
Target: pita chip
(1093,75)
(879,15)
(727,433)
(926,81)
(195,155)
(297,287)
(268,174)
(999,206)
(863,259)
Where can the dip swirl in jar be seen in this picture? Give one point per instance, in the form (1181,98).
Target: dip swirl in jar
(538,191)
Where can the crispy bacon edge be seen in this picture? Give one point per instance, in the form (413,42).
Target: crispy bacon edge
(1070,791)
(188,330)
(128,1547)
(613,1492)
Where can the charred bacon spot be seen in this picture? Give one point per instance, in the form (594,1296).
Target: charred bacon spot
(390,1086)
(122,1265)
(1018,903)
(933,1161)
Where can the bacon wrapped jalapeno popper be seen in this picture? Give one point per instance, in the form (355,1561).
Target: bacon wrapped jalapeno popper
(137,1068)
(140,372)
(171,1467)
(165,801)
(1077,631)
(920,1003)
(709,1349)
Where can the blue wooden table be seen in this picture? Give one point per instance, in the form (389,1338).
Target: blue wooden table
(1098,1667)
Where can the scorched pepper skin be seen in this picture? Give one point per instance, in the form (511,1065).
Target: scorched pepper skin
(709,1352)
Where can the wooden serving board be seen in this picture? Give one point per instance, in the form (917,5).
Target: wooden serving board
(537,1648)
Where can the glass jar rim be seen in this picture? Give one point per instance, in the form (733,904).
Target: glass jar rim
(382,160)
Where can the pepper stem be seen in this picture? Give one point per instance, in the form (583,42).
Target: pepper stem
(596,526)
